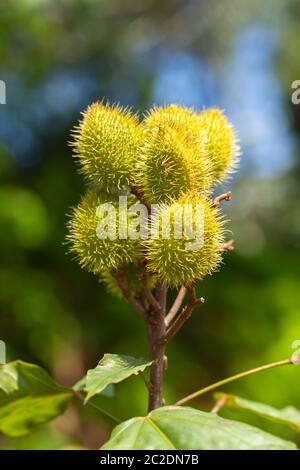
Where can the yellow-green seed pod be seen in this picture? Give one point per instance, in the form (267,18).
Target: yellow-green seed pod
(173,158)
(98,237)
(221,143)
(175,116)
(132,275)
(106,143)
(190,249)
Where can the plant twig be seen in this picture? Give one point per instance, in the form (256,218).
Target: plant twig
(209,388)
(227,246)
(184,314)
(136,304)
(144,380)
(223,197)
(80,397)
(157,341)
(161,295)
(149,295)
(220,403)
(176,305)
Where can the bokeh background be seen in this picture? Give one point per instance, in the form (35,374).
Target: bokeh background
(57,57)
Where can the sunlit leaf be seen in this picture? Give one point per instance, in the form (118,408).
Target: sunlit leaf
(28,396)
(112,368)
(108,391)
(183,428)
(288,416)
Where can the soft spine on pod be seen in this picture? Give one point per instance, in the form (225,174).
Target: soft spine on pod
(181,261)
(173,158)
(93,253)
(106,143)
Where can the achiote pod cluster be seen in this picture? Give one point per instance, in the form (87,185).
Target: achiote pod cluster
(171,161)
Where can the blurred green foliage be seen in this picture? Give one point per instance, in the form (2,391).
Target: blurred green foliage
(57,57)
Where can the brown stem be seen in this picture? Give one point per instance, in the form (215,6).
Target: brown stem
(157,342)
(150,297)
(152,308)
(154,318)
(161,295)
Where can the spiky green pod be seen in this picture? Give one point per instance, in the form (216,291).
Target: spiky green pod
(132,276)
(97,254)
(106,143)
(173,158)
(221,143)
(175,116)
(181,261)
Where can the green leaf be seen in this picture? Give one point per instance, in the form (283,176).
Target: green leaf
(112,368)
(109,391)
(28,396)
(180,428)
(288,416)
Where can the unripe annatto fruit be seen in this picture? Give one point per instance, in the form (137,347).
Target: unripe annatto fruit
(106,143)
(173,158)
(181,261)
(88,225)
(173,115)
(221,143)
